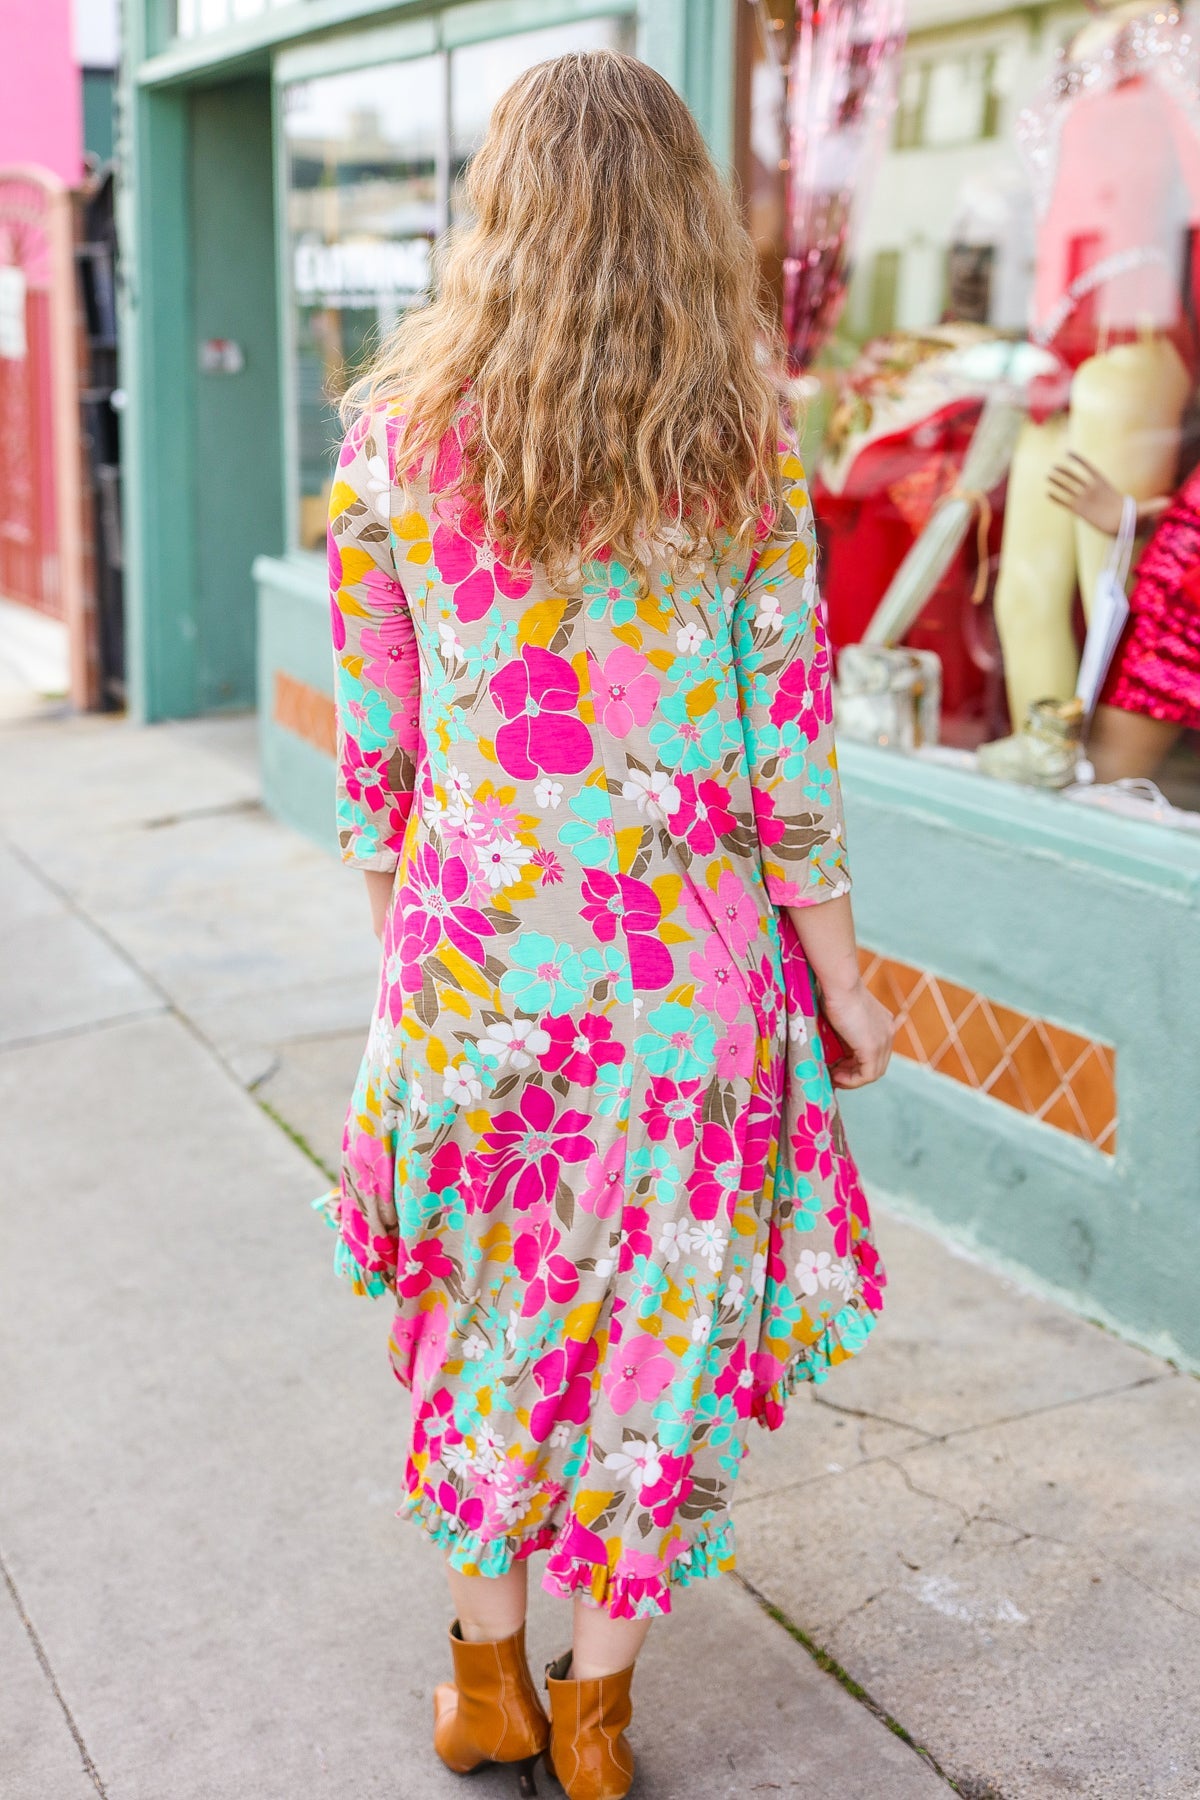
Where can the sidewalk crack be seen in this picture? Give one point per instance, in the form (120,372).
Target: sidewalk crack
(830,1666)
(862,1412)
(39,1650)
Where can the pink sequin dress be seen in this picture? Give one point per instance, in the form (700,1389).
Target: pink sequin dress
(1156,670)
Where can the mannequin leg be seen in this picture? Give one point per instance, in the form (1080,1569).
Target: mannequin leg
(1126,408)
(1036,585)
(1124,744)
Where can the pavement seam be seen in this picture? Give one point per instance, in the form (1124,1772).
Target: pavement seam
(861,1412)
(219,810)
(87,1028)
(930,1442)
(39,1650)
(166,998)
(289,1131)
(829,1665)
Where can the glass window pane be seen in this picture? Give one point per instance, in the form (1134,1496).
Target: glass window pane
(196,18)
(365,201)
(479,74)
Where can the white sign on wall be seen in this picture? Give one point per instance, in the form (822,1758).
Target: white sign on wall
(362,274)
(12,314)
(94,33)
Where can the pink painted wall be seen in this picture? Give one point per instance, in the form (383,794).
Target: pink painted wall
(41,110)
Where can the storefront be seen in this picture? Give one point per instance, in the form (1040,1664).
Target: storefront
(292,164)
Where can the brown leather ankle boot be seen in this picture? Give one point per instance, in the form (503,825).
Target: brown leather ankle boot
(588,1752)
(491,1712)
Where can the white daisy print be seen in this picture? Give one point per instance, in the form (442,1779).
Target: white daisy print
(461,1084)
(689,639)
(638,1464)
(814,1271)
(655,795)
(501,862)
(514,1046)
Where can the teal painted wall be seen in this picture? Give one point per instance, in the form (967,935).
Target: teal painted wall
(157,373)
(293,636)
(238,442)
(98,94)
(1092,922)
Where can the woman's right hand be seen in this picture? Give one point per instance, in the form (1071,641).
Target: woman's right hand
(866,1028)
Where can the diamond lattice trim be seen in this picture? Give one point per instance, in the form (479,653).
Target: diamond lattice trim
(1037,1068)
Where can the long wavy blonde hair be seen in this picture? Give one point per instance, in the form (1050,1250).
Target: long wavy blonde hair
(601,310)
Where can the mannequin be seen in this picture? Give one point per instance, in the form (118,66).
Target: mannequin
(1115,155)
(1152,693)
(1126,408)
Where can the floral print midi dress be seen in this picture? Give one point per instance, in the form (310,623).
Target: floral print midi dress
(593,1153)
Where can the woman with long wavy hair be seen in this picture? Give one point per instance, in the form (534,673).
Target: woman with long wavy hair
(586,761)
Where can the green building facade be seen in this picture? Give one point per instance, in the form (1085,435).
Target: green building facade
(285,168)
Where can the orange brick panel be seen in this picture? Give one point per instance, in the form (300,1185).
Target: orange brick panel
(1066,1080)
(306,711)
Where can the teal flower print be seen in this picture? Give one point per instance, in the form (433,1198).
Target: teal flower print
(678,1043)
(655,1162)
(610,591)
(813,1079)
(795,749)
(371,714)
(357,830)
(545,977)
(442,1112)
(613,965)
(440,710)
(498,645)
(819,787)
(575,1457)
(718,1413)
(589,835)
(685,743)
(648,1284)
(612,1090)
(673,1423)
(790,1185)
(781,1310)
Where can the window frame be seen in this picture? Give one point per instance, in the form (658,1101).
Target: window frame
(455,27)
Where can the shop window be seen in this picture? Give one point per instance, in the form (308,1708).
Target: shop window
(885,285)
(374,161)
(196,18)
(910,106)
(1025,283)
(953,100)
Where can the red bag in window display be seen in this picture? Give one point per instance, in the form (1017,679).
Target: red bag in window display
(895,447)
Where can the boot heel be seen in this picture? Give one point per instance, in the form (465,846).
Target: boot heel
(526,1785)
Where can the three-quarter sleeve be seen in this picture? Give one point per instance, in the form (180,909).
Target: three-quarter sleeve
(376,668)
(784,676)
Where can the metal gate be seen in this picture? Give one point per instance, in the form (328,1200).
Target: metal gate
(40,525)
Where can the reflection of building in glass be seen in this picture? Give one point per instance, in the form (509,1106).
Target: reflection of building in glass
(374,157)
(948,230)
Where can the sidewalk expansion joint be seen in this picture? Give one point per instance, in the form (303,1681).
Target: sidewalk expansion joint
(829,1665)
(224,810)
(297,1137)
(166,999)
(935,1441)
(39,1651)
(89,1029)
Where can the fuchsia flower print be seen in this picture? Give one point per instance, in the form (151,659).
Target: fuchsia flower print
(593,1153)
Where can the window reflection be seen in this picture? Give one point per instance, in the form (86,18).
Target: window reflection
(372,156)
(364,206)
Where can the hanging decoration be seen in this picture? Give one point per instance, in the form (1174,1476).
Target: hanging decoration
(841,93)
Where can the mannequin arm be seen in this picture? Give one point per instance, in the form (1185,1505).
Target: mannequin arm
(1079,486)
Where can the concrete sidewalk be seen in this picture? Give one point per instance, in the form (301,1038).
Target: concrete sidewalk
(988,1527)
